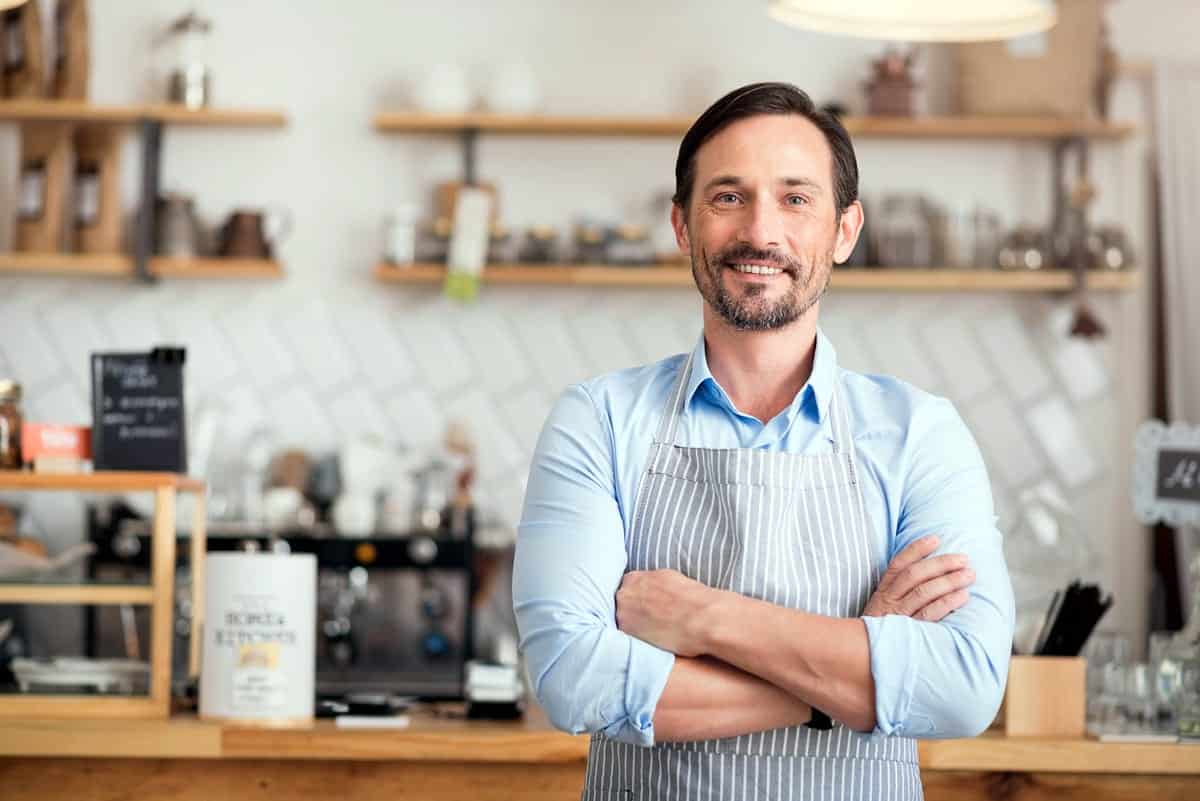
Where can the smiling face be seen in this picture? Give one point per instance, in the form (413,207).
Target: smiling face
(762,229)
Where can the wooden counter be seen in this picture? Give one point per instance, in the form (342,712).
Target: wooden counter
(446,759)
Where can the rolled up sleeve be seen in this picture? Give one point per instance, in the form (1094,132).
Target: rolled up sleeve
(945,679)
(588,675)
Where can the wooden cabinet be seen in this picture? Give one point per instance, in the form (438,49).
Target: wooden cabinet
(159,595)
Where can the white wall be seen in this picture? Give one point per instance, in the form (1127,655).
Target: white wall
(329,353)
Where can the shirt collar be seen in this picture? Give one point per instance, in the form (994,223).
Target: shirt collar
(814,396)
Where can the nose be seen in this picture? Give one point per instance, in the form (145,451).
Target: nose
(763,228)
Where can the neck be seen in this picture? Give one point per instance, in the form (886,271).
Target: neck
(761,370)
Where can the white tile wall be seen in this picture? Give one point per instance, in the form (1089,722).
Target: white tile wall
(959,359)
(1063,441)
(1013,355)
(309,334)
(1012,458)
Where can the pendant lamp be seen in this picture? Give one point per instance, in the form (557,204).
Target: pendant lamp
(918,20)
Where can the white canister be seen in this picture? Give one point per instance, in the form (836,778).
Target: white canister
(259,655)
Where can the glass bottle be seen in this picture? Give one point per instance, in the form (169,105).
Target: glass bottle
(1187,704)
(10,425)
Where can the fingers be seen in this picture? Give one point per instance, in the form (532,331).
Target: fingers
(930,591)
(915,552)
(943,606)
(925,571)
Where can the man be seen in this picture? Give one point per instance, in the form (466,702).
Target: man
(748,572)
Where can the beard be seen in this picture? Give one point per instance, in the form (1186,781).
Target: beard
(747,307)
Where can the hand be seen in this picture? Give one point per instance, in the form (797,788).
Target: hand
(663,607)
(922,587)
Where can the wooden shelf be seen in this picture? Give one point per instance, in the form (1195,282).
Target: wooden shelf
(216,268)
(78,112)
(95,264)
(867,127)
(110,594)
(914,280)
(105,481)
(121,266)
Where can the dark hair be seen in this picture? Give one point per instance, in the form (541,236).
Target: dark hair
(768,98)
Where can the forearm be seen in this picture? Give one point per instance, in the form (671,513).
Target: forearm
(706,699)
(822,661)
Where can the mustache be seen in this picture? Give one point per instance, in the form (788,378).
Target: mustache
(744,252)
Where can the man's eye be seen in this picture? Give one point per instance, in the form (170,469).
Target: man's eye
(727,197)
(797,200)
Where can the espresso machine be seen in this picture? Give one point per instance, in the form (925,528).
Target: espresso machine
(394,613)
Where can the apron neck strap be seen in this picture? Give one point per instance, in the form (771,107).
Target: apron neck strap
(838,420)
(670,420)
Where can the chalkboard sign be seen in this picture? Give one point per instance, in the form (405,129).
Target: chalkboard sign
(1166,476)
(137,411)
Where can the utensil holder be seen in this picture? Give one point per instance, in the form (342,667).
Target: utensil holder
(1046,697)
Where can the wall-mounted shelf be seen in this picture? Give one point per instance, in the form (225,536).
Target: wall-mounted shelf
(869,127)
(85,113)
(120,266)
(216,268)
(148,120)
(878,279)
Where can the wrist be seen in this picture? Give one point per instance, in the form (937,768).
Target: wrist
(708,623)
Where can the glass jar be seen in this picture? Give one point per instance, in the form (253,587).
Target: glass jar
(186,42)
(540,245)
(631,246)
(400,236)
(433,241)
(501,245)
(1187,704)
(902,233)
(10,425)
(591,244)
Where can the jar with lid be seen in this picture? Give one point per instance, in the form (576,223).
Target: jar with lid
(433,241)
(400,235)
(501,245)
(1187,704)
(186,43)
(10,425)
(591,244)
(540,245)
(902,232)
(631,245)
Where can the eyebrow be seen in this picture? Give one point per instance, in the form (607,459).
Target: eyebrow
(733,180)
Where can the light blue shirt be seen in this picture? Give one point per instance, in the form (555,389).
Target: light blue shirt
(922,474)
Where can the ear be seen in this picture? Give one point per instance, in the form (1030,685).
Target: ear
(679,223)
(849,227)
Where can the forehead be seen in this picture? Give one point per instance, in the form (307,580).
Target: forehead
(767,148)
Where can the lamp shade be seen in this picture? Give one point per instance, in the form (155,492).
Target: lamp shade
(919,20)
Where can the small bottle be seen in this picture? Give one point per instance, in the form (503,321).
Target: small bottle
(10,425)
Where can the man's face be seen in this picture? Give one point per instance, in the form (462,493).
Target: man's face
(762,230)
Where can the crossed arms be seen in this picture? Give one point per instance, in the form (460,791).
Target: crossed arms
(656,656)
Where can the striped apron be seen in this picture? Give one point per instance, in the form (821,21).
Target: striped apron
(787,528)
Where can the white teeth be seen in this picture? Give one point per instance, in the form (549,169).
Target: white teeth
(756,269)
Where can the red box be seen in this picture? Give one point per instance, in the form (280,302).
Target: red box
(50,440)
